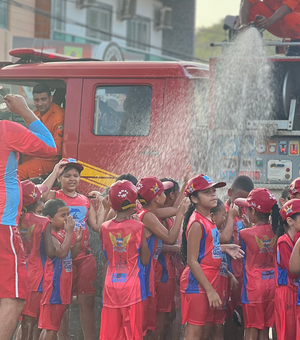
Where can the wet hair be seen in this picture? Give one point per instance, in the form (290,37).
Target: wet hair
(127,177)
(174,188)
(286,193)
(216,209)
(275,217)
(283,226)
(34,205)
(51,207)
(69,167)
(41,88)
(186,219)
(243,183)
(36,180)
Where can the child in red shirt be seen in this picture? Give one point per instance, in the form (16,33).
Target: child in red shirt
(57,281)
(286,283)
(227,281)
(259,244)
(32,229)
(151,195)
(125,247)
(202,251)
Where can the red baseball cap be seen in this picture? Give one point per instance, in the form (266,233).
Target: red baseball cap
(32,192)
(149,187)
(260,199)
(73,161)
(290,208)
(295,186)
(201,182)
(120,192)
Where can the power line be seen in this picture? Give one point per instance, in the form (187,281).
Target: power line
(70,21)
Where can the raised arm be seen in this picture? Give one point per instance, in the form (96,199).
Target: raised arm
(155,227)
(49,181)
(245,11)
(225,234)
(34,141)
(60,250)
(96,219)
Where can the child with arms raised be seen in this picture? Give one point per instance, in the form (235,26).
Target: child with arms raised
(58,267)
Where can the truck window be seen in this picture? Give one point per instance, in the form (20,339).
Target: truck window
(122,110)
(24,88)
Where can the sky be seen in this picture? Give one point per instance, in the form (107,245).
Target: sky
(209,12)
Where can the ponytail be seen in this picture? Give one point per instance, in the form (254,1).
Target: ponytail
(278,226)
(187,216)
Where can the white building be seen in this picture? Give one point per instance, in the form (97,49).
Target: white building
(136,26)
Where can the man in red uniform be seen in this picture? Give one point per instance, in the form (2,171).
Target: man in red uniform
(52,116)
(36,141)
(279,17)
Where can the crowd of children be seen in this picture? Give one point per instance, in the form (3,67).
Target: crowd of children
(174,256)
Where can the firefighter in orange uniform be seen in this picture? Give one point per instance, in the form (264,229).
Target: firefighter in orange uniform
(279,17)
(52,116)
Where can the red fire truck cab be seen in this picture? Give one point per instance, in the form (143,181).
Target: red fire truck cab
(120,117)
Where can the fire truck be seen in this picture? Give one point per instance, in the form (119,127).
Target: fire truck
(120,117)
(154,118)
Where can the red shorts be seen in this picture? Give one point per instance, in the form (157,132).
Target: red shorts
(285,313)
(12,264)
(196,311)
(149,314)
(122,323)
(259,315)
(165,295)
(219,316)
(51,316)
(84,275)
(32,307)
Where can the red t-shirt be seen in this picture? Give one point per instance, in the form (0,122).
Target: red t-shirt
(294,5)
(283,276)
(57,277)
(26,226)
(222,287)
(209,258)
(124,282)
(79,210)
(259,245)
(15,138)
(37,257)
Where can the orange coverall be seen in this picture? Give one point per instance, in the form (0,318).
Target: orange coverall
(34,166)
(289,26)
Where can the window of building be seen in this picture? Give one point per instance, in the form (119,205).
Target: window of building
(138,33)
(58,15)
(100,19)
(3,14)
(122,110)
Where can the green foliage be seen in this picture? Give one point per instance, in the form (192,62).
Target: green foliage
(215,33)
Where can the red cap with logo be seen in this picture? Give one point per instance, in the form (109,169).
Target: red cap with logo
(260,199)
(32,192)
(149,187)
(120,192)
(295,186)
(290,208)
(73,161)
(201,182)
